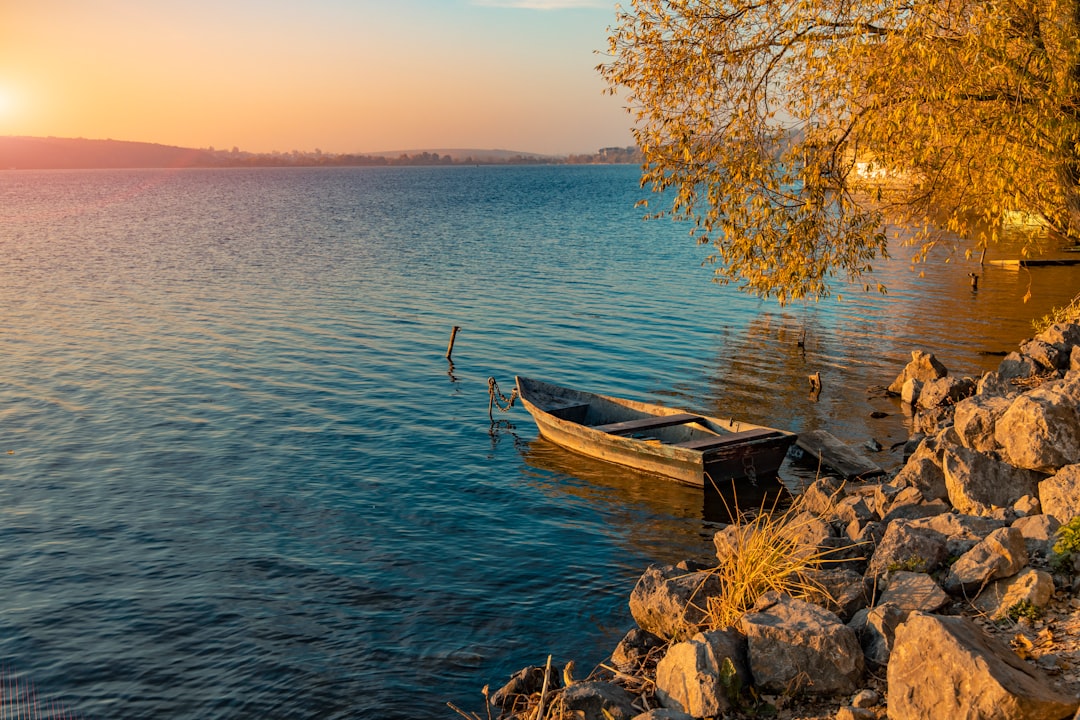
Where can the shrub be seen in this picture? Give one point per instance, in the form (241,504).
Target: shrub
(1069,313)
(1067,545)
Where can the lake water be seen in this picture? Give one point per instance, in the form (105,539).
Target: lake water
(239,479)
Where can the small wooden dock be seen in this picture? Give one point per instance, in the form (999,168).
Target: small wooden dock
(1017,264)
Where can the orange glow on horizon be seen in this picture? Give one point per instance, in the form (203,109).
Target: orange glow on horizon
(330,74)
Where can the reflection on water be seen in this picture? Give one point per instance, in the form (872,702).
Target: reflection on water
(607,483)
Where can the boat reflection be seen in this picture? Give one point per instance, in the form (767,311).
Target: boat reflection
(599,482)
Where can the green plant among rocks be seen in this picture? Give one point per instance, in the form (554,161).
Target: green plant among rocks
(1024,609)
(1068,314)
(914,563)
(1066,548)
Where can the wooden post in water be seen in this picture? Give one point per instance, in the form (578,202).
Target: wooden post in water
(450,347)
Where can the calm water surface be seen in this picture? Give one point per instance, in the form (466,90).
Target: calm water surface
(240,480)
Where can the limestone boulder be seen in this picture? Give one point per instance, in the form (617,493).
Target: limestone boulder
(703,676)
(1061,335)
(1059,495)
(921,473)
(1001,555)
(978,482)
(1015,366)
(946,667)
(1028,586)
(853,508)
(975,419)
(962,532)
(794,646)
(944,391)
(923,366)
(809,531)
(913,591)
(910,391)
(1041,429)
(1039,533)
(668,600)
(876,629)
(1048,357)
(598,701)
(992,384)
(820,496)
(848,591)
(907,547)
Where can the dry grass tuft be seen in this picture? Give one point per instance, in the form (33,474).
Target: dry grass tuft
(767,552)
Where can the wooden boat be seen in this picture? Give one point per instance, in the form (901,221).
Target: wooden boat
(691,448)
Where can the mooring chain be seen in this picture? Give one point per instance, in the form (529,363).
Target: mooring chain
(751,471)
(496,397)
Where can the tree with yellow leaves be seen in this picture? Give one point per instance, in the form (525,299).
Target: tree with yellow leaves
(789,130)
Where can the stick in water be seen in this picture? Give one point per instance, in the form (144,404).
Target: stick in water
(450,347)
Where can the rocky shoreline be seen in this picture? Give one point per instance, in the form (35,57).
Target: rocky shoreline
(951,590)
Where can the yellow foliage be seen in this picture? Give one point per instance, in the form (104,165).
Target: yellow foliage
(788,130)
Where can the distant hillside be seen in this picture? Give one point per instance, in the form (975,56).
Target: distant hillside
(65,153)
(36,153)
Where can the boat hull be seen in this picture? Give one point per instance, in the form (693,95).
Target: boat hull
(571,418)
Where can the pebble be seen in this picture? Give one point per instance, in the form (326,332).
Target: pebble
(866,699)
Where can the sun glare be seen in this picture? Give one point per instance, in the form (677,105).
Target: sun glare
(7,104)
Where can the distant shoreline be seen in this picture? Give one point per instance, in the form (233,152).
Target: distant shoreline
(38,153)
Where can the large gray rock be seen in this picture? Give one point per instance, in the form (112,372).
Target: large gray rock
(923,366)
(1039,533)
(975,419)
(704,675)
(794,646)
(907,546)
(978,482)
(1017,367)
(1059,495)
(911,390)
(1041,429)
(848,591)
(961,532)
(876,628)
(668,601)
(821,495)
(923,472)
(1049,358)
(1032,586)
(944,391)
(946,667)
(992,384)
(598,701)
(1001,555)
(913,591)
(1061,335)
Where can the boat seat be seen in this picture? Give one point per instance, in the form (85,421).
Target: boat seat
(653,422)
(719,441)
(573,413)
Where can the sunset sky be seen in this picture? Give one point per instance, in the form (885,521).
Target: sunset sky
(337,75)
